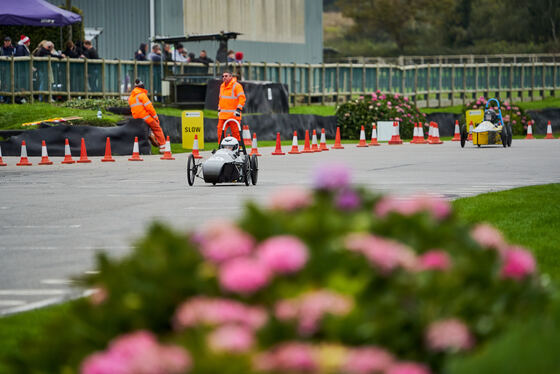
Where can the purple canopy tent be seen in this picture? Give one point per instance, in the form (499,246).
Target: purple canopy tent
(34,13)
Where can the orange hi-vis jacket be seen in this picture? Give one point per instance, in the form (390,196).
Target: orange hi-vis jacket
(232,97)
(140,104)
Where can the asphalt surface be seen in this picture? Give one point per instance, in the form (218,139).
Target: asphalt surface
(54,218)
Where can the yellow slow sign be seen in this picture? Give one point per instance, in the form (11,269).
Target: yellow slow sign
(192,123)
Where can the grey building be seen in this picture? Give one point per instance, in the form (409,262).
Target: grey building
(272,30)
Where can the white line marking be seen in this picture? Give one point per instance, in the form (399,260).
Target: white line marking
(56,281)
(43,227)
(12,302)
(45,302)
(91,272)
(32,292)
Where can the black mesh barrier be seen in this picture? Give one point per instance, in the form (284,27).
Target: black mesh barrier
(541,118)
(122,139)
(262,97)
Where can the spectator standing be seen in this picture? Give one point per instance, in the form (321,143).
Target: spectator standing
(141,53)
(191,58)
(204,58)
(90,52)
(22,48)
(7,48)
(94,70)
(239,57)
(167,55)
(155,54)
(231,56)
(179,53)
(71,50)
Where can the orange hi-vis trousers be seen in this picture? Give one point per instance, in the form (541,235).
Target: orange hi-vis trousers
(158,132)
(231,125)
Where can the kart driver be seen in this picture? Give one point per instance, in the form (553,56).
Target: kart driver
(230,143)
(231,102)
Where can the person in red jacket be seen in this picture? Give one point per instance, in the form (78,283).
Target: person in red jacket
(141,107)
(231,102)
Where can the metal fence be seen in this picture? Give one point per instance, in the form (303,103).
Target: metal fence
(428,85)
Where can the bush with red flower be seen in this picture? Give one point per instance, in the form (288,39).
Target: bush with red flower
(512,114)
(332,279)
(365,110)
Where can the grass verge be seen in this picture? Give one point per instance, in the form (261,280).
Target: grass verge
(528,216)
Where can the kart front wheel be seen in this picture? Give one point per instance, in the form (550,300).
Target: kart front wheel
(191,170)
(246,171)
(510,135)
(504,136)
(464,135)
(254,169)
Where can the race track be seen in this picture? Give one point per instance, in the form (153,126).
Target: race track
(54,218)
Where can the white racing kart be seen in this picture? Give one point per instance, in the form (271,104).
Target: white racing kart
(229,164)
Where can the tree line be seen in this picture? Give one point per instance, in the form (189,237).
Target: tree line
(451,26)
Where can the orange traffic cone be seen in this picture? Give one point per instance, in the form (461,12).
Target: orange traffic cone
(246,135)
(2,163)
(471,129)
(314,145)
(167,154)
(395,138)
(420,139)
(195,152)
(414,134)
(457,135)
(278,150)
(373,141)
(549,131)
(44,155)
(431,133)
(83,153)
(254,146)
(323,141)
(306,144)
(23,161)
(67,155)
(295,149)
(530,130)
(362,142)
(135,151)
(435,134)
(337,144)
(108,157)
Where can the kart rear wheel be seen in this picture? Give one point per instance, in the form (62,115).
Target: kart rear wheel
(191,170)
(254,169)
(510,135)
(464,135)
(246,171)
(504,136)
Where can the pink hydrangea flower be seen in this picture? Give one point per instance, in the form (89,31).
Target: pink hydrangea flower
(98,296)
(367,360)
(408,368)
(216,311)
(309,308)
(517,263)
(244,275)
(448,335)
(389,103)
(384,254)
(283,254)
(291,356)
(289,199)
(222,240)
(231,339)
(138,352)
(332,177)
(487,236)
(437,206)
(347,200)
(435,259)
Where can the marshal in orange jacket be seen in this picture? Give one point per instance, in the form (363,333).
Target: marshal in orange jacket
(141,107)
(232,97)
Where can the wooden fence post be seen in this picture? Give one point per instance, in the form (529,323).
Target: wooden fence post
(68,90)
(12,80)
(86,78)
(31,99)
